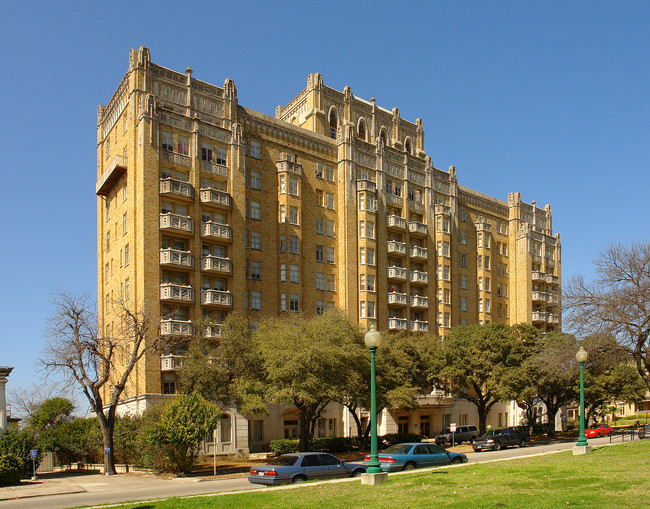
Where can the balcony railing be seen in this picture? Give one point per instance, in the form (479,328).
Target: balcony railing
(177,258)
(419,326)
(217,170)
(419,253)
(216,298)
(483,226)
(216,231)
(416,206)
(176,292)
(442,210)
(397,324)
(397,273)
(171,362)
(290,167)
(553,299)
(216,197)
(396,222)
(417,301)
(540,296)
(394,200)
(419,277)
(539,316)
(395,247)
(366,185)
(538,276)
(397,299)
(176,328)
(212,331)
(170,221)
(216,264)
(417,228)
(552,280)
(176,187)
(552,319)
(174,158)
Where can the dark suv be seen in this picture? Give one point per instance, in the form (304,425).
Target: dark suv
(463,434)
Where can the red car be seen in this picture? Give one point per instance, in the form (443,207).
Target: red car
(601,431)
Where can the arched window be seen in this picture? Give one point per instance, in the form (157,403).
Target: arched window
(362,130)
(333,123)
(382,135)
(407,145)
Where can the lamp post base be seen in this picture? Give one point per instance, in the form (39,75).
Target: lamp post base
(372,479)
(579,450)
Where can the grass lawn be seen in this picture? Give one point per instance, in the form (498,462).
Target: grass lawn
(617,476)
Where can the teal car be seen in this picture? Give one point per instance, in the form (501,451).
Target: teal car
(415,455)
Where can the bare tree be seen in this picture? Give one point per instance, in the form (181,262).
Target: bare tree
(617,302)
(25,401)
(99,364)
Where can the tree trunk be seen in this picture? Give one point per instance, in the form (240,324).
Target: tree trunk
(107,426)
(305,436)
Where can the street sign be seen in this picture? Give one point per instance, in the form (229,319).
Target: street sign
(452,427)
(33,453)
(107,450)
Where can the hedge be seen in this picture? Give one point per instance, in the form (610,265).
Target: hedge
(336,445)
(11,469)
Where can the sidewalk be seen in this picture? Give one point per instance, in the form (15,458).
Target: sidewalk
(49,484)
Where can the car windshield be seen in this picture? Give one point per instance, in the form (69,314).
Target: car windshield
(446,430)
(492,432)
(283,460)
(398,449)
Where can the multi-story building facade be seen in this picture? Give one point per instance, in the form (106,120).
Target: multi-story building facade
(206,207)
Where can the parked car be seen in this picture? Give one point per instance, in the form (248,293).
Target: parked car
(415,455)
(644,431)
(497,439)
(462,434)
(601,431)
(303,466)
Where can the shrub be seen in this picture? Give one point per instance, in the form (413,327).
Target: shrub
(284,446)
(19,442)
(397,438)
(11,469)
(333,445)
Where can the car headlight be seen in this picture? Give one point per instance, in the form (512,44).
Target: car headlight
(489,441)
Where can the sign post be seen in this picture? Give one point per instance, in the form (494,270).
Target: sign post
(33,453)
(452,428)
(107,451)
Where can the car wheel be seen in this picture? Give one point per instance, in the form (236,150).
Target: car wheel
(409,466)
(471,441)
(497,446)
(457,461)
(597,435)
(522,443)
(357,473)
(298,478)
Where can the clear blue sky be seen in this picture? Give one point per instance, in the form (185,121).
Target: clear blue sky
(546,98)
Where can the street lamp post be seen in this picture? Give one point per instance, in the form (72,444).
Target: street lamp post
(582,447)
(373,340)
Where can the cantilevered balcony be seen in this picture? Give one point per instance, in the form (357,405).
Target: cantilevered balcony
(174,292)
(552,319)
(549,262)
(436,398)
(397,248)
(553,298)
(419,326)
(440,209)
(539,317)
(416,206)
(418,253)
(417,229)
(216,198)
(399,273)
(396,223)
(289,167)
(176,188)
(397,299)
(418,301)
(397,324)
(212,331)
(539,296)
(538,276)
(216,264)
(176,258)
(216,231)
(218,170)
(179,328)
(174,158)
(366,185)
(171,362)
(114,171)
(176,223)
(552,280)
(419,277)
(218,298)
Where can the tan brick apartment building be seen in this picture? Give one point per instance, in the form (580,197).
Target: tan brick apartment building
(206,207)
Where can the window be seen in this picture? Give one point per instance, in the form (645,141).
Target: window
(108,241)
(480,305)
(439,248)
(333,124)
(487,263)
(256,210)
(487,284)
(124,224)
(206,152)
(463,238)
(107,273)
(446,273)
(126,255)
(499,290)
(221,156)
(329,173)
(255,149)
(320,307)
(463,215)
(167,141)
(463,282)
(293,215)
(330,228)
(480,261)
(331,283)
(319,170)
(439,272)
(283,272)
(361,130)
(486,241)
(445,225)
(362,229)
(320,227)
(329,255)
(330,200)
(370,230)
(283,243)
(447,320)
(487,305)
(371,309)
(371,256)
(407,145)
(362,256)
(255,270)
(479,240)
(293,186)
(283,214)
(293,303)
(127,288)
(256,300)
(440,319)
(362,309)
(283,302)
(320,281)
(282,184)
(256,180)
(480,284)
(371,283)
(294,274)
(362,282)
(256,240)
(362,201)
(320,253)
(447,296)
(439,224)
(320,198)
(463,260)
(462,303)
(293,245)
(183,145)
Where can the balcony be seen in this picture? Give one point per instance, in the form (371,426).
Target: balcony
(418,277)
(397,273)
(442,210)
(395,247)
(538,276)
(436,398)
(552,280)
(419,326)
(216,198)
(418,253)
(218,298)
(289,167)
(416,206)
(482,226)
(216,264)
(397,299)
(536,258)
(417,301)
(549,262)
(177,258)
(212,331)
(171,362)
(217,170)
(174,158)
(394,200)
(540,296)
(114,171)
(216,231)
(366,185)
(174,292)
(176,328)
(397,324)
(176,223)
(539,317)
(552,319)
(396,222)
(553,298)
(416,228)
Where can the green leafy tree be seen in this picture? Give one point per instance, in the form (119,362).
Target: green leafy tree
(51,413)
(18,442)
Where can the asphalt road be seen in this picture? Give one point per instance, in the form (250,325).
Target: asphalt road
(98,489)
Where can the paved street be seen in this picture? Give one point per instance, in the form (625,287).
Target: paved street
(93,489)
